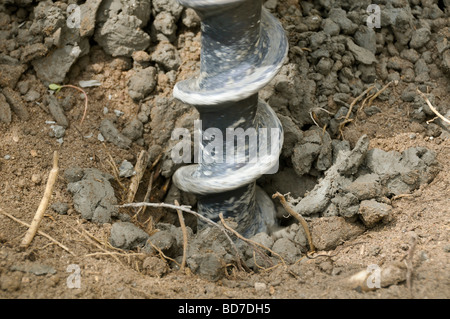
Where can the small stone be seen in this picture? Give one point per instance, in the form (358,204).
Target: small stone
(100,137)
(126,169)
(58,131)
(36,179)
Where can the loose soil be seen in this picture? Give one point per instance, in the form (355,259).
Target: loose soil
(26,150)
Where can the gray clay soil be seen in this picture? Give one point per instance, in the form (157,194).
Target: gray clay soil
(374,191)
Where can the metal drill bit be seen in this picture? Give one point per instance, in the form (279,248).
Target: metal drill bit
(243,48)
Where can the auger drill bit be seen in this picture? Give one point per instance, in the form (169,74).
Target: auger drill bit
(243,48)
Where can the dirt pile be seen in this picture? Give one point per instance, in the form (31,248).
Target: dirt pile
(347,90)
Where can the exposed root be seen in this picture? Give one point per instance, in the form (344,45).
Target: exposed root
(188,210)
(251,242)
(433,108)
(298,217)
(44,203)
(185,236)
(38,232)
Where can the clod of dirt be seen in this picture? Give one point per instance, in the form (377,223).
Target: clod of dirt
(329,232)
(113,135)
(403,172)
(5,110)
(207,265)
(88,12)
(34,268)
(171,6)
(372,212)
(167,56)
(60,208)
(165,23)
(154,266)
(120,27)
(361,54)
(11,281)
(56,110)
(366,186)
(93,195)
(142,83)
(163,240)
(190,18)
(319,198)
(11,73)
(53,68)
(315,147)
(126,235)
(15,102)
(253,257)
(208,253)
(287,249)
(287,181)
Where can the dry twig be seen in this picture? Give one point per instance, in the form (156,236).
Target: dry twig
(378,93)
(408,261)
(114,168)
(253,243)
(298,217)
(433,108)
(347,117)
(44,203)
(187,209)
(150,185)
(38,232)
(185,236)
(139,168)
